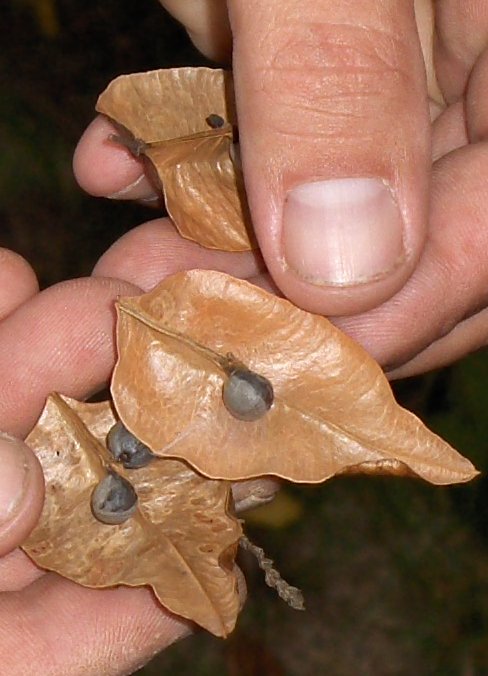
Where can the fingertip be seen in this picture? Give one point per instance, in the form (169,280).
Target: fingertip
(216,46)
(18,281)
(335,147)
(104,168)
(207,24)
(21,492)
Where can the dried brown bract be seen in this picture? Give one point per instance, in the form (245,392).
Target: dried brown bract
(213,372)
(183,121)
(327,409)
(333,409)
(181,540)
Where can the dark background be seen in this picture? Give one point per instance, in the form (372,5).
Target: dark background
(394,572)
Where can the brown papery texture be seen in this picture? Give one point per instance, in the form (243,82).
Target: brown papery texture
(181,541)
(333,411)
(165,111)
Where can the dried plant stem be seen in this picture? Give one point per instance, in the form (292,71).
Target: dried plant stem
(291,595)
(135,145)
(225,130)
(139,147)
(211,355)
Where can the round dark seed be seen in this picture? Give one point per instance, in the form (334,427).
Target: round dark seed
(215,121)
(247,395)
(127,449)
(114,500)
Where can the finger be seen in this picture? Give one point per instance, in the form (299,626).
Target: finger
(107,169)
(335,144)
(425,19)
(451,281)
(461,37)
(21,492)
(449,131)
(17,571)
(476,105)
(253,493)
(64,628)
(207,24)
(264,281)
(18,281)
(70,351)
(468,336)
(147,254)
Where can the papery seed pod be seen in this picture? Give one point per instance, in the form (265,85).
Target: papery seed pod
(127,449)
(247,395)
(114,500)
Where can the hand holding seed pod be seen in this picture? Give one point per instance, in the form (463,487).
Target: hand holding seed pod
(161,525)
(182,120)
(229,379)
(240,384)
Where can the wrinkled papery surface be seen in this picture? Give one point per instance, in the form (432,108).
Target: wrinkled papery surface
(167,109)
(181,541)
(334,410)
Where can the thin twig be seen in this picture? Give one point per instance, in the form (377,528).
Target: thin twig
(291,595)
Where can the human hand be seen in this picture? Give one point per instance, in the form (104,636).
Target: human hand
(21,483)
(389,237)
(60,339)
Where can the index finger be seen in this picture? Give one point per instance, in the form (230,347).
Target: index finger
(61,340)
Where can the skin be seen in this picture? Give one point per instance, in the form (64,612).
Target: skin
(431,311)
(72,350)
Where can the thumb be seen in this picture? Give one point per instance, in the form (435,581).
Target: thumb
(333,110)
(21,492)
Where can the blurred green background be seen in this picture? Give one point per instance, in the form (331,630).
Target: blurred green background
(394,572)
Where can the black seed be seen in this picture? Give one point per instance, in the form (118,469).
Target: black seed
(114,500)
(215,121)
(247,395)
(127,449)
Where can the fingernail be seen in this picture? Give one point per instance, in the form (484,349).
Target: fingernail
(342,231)
(140,189)
(13,477)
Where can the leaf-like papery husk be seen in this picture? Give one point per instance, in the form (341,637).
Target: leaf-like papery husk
(167,110)
(181,541)
(333,411)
